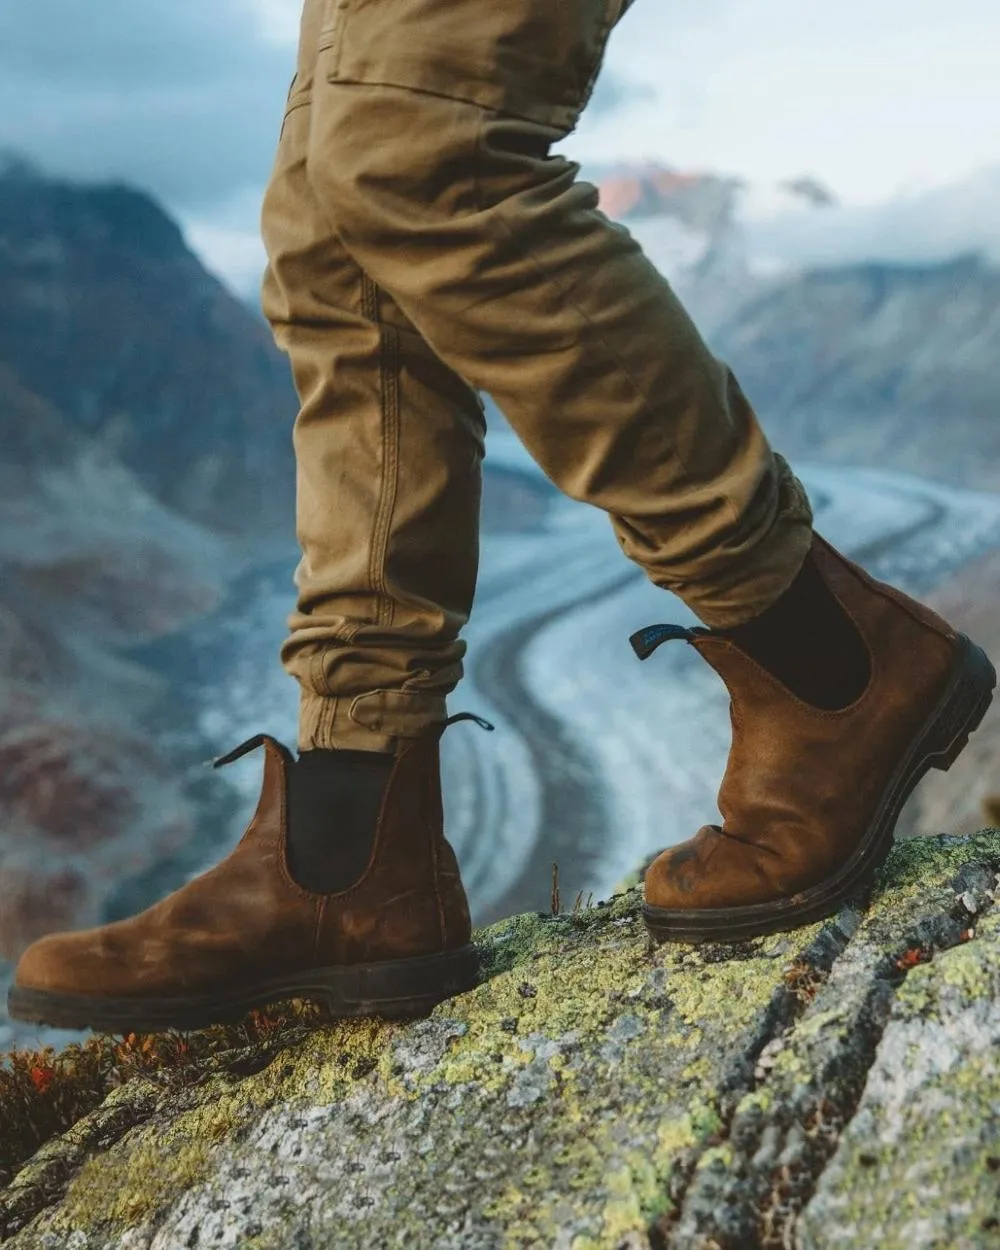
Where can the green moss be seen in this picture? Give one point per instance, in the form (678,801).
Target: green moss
(820,1021)
(761,1099)
(131,1181)
(913,1165)
(561,987)
(164,1157)
(916,863)
(697,1071)
(790,1066)
(932,1180)
(715,1157)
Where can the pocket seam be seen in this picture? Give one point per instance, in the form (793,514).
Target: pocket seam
(329,36)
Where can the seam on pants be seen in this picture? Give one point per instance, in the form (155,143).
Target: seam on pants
(369,296)
(317,674)
(389,447)
(319,677)
(327,716)
(498,210)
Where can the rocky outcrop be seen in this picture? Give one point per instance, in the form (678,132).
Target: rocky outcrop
(835,1086)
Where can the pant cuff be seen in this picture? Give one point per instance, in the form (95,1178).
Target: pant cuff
(761,576)
(382,720)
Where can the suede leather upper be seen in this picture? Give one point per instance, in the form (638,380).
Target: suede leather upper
(801,784)
(246,919)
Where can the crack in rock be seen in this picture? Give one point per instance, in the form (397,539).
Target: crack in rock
(695,1198)
(919,1162)
(813,1074)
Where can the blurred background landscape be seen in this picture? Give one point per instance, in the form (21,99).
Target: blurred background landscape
(837,239)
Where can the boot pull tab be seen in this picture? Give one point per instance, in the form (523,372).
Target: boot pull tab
(645,641)
(483,724)
(245,748)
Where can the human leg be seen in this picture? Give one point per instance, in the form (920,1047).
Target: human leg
(389,442)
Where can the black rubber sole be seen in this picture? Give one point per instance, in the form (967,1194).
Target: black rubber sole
(393,989)
(945,735)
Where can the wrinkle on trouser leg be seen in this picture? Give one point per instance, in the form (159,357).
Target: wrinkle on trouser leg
(509,269)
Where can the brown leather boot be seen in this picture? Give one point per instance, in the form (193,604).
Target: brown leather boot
(810,798)
(244,933)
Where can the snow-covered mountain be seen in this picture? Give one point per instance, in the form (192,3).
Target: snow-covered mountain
(705,228)
(886,364)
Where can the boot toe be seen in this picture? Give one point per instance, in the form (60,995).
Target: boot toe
(87,961)
(46,965)
(681,875)
(710,870)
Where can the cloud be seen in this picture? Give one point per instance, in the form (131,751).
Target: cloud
(872,97)
(913,228)
(614,91)
(183,99)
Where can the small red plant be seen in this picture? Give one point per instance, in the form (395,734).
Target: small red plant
(910,958)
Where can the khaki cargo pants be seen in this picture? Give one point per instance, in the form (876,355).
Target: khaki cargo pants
(424,246)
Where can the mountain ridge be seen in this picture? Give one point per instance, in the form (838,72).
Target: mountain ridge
(111,318)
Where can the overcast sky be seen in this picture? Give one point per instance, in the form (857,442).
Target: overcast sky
(882,100)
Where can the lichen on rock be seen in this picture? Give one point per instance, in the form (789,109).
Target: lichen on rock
(597,1090)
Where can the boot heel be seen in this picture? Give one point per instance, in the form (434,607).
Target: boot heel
(965,708)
